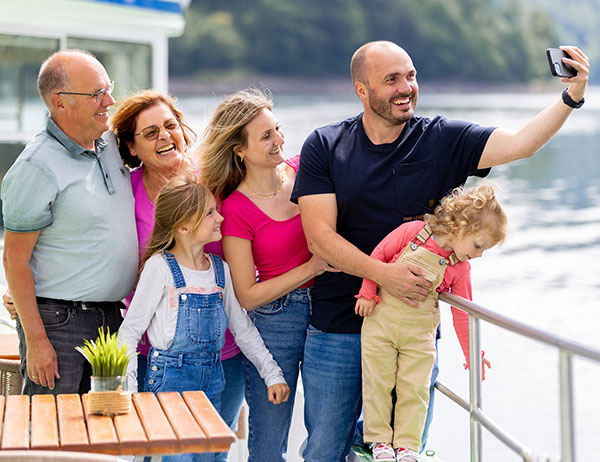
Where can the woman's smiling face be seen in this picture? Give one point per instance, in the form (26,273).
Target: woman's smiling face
(265,139)
(158,140)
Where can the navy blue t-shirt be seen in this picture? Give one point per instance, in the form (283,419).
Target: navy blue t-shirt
(379,187)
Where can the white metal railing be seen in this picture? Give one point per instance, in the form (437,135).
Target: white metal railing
(567,349)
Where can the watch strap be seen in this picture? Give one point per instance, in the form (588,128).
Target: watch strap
(570,102)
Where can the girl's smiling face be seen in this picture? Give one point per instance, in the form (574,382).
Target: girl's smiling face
(209,229)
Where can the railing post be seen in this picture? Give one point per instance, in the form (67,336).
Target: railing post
(475,387)
(567,422)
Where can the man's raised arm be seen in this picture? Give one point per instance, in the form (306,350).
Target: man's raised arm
(504,146)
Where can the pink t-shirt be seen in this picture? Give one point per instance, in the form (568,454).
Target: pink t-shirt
(277,246)
(457,278)
(144,222)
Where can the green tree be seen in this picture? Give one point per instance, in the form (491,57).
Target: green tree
(525,32)
(460,40)
(312,37)
(577,22)
(210,42)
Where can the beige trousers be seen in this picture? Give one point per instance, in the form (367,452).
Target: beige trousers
(398,352)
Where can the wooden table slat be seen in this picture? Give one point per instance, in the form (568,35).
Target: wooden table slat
(16,434)
(101,431)
(156,425)
(185,426)
(130,432)
(44,428)
(71,423)
(210,421)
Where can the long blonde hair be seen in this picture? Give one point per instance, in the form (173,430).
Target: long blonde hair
(464,212)
(184,199)
(222,170)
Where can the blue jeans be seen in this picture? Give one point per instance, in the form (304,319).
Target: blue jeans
(282,325)
(232,396)
(67,326)
(331,375)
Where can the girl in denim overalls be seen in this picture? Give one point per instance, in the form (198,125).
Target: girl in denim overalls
(398,340)
(185,299)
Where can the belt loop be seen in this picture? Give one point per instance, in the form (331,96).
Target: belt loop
(180,360)
(103,319)
(286,298)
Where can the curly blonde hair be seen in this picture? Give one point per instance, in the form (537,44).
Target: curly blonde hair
(222,170)
(464,212)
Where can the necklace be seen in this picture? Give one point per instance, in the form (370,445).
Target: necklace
(268,196)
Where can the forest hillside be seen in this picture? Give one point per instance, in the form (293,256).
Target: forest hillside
(476,41)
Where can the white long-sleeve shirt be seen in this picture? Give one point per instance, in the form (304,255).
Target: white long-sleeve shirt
(154,309)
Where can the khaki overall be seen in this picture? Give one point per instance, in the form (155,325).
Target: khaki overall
(398,350)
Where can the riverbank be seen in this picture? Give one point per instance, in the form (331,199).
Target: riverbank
(336,86)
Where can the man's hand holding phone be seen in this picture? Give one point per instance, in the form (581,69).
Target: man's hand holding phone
(580,63)
(558,67)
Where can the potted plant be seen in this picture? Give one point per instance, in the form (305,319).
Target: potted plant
(109,362)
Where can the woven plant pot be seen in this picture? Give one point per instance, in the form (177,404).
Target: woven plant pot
(108,396)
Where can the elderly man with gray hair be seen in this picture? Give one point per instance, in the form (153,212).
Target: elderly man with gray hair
(70,246)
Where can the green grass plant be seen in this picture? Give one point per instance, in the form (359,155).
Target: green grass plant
(104,354)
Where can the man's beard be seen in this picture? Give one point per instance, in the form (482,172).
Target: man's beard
(383,109)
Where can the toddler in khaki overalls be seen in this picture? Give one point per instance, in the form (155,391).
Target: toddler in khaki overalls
(398,340)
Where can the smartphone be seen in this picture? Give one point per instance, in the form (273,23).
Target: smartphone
(557,67)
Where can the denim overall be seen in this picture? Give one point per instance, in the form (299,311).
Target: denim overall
(398,351)
(193,361)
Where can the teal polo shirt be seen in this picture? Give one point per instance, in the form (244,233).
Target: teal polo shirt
(82,203)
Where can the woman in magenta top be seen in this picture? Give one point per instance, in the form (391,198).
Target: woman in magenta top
(272,269)
(153,140)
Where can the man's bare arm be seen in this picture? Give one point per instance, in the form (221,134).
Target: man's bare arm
(504,146)
(42,366)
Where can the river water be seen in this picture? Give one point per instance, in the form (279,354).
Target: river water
(545,274)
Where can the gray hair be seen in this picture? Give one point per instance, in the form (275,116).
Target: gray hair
(54,76)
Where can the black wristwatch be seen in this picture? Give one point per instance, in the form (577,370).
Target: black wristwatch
(569,101)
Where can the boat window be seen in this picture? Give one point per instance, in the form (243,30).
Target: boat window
(128,64)
(21,109)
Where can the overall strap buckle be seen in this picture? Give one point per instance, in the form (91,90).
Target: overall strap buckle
(424,234)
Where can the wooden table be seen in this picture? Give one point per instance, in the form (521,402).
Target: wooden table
(9,346)
(165,423)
